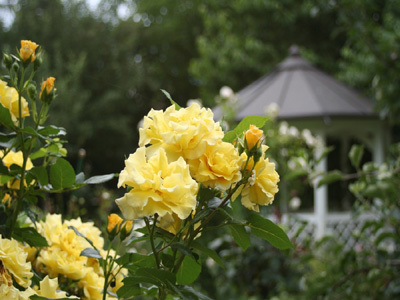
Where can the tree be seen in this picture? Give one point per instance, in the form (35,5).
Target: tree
(243,40)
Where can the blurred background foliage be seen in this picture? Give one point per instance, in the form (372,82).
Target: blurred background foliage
(112,59)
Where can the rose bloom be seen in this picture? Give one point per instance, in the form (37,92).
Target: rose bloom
(158,187)
(253,137)
(13,260)
(219,166)
(262,185)
(65,246)
(185,132)
(10,293)
(9,99)
(48,288)
(172,223)
(15,158)
(27,50)
(47,86)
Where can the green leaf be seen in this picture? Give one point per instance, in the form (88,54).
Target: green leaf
(355,155)
(240,235)
(189,271)
(52,131)
(90,252)
(80,178)
(99,179)
(269,231)
(5,117)
(129,289)
(244,125)
(183,249)
(36,297)
(209,252)
(296,173)
(6,140)
(42,152)
(62,174)
(202,214)
(40,173)
(30,236)
(156,275)
(177,107)
(5,178)
(190,290)
(135,239)
(136,259)
(330,177)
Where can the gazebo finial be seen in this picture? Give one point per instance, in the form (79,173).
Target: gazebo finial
(294,50)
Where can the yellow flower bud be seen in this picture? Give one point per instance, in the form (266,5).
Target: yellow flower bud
(253,137)
(114,221)
(128,226)
(126,229)
(47,86)
(27,50)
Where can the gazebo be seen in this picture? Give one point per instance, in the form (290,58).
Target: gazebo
(309,98)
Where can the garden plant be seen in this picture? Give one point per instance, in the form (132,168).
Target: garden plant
(184,180)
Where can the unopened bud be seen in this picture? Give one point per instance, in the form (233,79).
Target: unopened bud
(253,137)
(15,67)
(47,91)
(32,91)
(258,154)
(126,230)
(38,62)
(7,60)
(27,51)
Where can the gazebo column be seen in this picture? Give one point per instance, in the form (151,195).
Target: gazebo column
(378,146)
(320,193)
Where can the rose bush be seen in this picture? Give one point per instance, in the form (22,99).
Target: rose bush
(181,181)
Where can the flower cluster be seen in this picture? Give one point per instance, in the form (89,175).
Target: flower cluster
(62,258)
(15,267)
(10,100)
(181,149)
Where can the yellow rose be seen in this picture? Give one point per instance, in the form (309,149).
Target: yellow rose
(30,251)
(6,199)
(92,285)
(10,292)
(65,246)
(253,137)
(170,223)
(27,50)
(15,158)
(9,99)
(262,185)
(218,167)
(48,288)
(158,187)
(114,221)
(87,229)
(185,132)
(56,261)
(13,260)
(47,86)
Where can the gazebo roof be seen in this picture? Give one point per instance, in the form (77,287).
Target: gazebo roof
(301,91)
